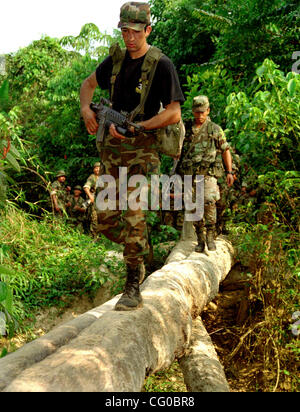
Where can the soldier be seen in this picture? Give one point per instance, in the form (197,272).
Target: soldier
(122,74)
(76,209)
(90,190)
(60,194)
(204,141)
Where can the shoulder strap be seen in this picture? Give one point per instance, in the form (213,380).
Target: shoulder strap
(148,71)
(118,56)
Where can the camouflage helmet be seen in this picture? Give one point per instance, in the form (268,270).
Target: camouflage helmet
(200,103)
(97,164)
(134,15)
(61,173)
(78,188)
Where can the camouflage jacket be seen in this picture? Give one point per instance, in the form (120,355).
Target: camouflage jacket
(202,150)
(91,182)
(77,214)
(59,189)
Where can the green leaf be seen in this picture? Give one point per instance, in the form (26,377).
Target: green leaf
(8,302)
(12,161)
(292,85)
(3,291)
(3,353)
(15,152)
(260,71)
(4,99)
(6,271)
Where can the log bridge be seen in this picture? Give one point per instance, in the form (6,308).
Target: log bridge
(104,350)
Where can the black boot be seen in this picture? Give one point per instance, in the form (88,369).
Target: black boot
(201,242)
(131,298)
(210,237)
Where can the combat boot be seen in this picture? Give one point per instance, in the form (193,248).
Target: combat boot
(201,242)
(210,235)
(131,298)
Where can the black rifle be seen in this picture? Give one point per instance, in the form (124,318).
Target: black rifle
(105,116)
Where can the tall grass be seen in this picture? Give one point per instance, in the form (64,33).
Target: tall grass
(49,262)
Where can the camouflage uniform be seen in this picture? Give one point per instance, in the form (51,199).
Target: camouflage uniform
(140,156)
(91,214)
(76,217)
(125,79)
(59,189)
(201,155)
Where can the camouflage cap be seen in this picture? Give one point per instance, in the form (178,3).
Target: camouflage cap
(61,173)
(134,15)
(200,103)
(97,164)
(77,188)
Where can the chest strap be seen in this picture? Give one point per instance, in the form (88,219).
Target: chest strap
(147,73)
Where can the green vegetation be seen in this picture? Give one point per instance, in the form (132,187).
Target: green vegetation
(49,262)
(237,52)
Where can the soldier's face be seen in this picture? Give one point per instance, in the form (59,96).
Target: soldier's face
(199,116)
(61,179)
(134,39)
(77,193)
(96,170)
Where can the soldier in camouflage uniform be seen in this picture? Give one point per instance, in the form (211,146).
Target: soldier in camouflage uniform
(204,141)
(77,210)
(139,153)
(90,190)
(60,193)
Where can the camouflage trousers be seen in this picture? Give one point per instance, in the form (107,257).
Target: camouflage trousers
(211,196)
(128,227)
(92,220)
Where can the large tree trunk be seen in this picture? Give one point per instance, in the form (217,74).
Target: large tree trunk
(105,350)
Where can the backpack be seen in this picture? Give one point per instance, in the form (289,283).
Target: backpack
(169,138)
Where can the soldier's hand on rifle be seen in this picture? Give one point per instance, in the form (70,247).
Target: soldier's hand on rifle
(90,121)
(113,132)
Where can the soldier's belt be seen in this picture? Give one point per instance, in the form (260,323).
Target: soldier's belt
(202,171)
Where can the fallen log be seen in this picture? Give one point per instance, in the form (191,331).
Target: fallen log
(200,365)
(116,350)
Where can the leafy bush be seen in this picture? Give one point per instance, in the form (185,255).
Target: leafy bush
(264,127)
(49,261)
(8,322)
(9,138)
